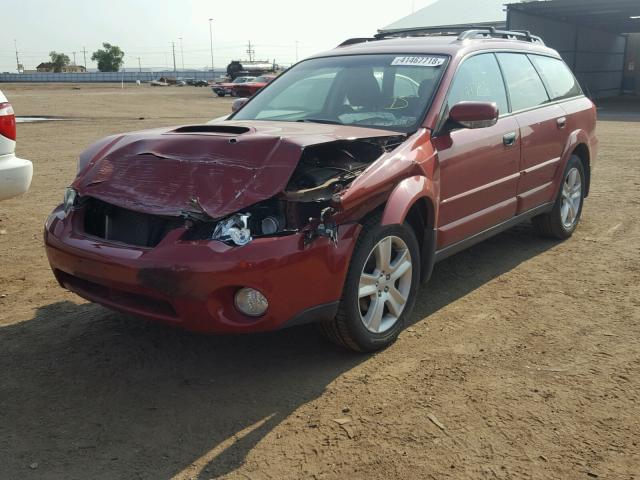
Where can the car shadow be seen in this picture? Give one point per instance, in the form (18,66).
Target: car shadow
(464,272)
(88,393)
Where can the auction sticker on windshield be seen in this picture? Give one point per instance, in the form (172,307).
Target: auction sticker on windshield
(418,61)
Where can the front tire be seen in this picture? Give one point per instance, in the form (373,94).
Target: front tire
(380,288)
(563,219)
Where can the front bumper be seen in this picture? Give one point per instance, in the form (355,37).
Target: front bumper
(221,90)
(15,176)
(192,284)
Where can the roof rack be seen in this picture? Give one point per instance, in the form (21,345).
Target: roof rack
(418,32)
(466,34)
(491,32)
(353,41)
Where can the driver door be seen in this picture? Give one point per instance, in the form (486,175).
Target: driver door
(479,168)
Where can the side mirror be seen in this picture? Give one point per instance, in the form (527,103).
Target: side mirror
(238,103)
(474,114)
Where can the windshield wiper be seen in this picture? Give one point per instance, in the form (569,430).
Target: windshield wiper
(319,120)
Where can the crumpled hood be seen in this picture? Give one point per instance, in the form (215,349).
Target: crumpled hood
(217,169)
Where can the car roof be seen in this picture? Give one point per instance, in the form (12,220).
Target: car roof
(437,45)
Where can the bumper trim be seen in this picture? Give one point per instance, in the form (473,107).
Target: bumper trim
(319,313)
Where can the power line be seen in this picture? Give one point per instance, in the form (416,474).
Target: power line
(211,41)
(15,44)
(250,51)
(173,48)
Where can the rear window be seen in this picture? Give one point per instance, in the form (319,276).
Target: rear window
(525,87)
(559,79)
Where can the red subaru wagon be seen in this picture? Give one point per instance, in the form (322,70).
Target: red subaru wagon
(329,195)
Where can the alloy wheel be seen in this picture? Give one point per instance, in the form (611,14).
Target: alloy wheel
(571,198)
(385,283)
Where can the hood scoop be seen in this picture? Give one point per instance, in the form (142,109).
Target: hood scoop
(231,130)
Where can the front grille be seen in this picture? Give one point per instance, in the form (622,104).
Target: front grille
(107,221)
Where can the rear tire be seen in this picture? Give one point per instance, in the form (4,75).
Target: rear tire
(380,288)
(563,219)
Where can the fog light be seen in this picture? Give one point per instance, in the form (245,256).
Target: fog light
(251,302)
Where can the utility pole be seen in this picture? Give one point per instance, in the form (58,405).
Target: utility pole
(181,52)
(211,43)
(15,44)
(74,57)
(139,65)
(173,48)
(250,52)
(84,52)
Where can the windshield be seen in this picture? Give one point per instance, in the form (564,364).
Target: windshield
(380,91)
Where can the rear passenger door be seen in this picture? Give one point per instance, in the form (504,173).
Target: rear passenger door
(542,128)
(479,168)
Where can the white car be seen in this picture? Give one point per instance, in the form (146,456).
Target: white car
(15,173)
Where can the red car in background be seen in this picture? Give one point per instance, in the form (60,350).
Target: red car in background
(248,89)
(226,88)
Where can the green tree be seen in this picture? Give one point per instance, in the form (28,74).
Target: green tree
(109,58)
(59,60)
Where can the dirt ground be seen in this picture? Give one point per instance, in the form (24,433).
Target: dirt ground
(523,360)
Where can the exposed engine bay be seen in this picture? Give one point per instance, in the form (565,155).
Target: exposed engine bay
(323,171)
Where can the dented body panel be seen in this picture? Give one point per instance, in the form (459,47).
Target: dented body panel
(191,284)
(215,171)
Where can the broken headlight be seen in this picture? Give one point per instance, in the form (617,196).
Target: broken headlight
(234,229)
(70,200)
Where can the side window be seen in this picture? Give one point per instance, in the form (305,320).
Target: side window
(526,89)
(557,76)
(479,79)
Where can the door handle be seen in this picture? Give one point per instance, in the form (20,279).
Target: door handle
(509,139)
(562,122)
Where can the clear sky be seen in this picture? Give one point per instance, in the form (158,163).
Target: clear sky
(146,28)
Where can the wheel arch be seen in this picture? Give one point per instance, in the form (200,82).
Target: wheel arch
(582,152)
(413,202)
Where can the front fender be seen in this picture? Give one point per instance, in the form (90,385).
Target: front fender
(405,195)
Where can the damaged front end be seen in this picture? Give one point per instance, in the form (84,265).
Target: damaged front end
(310,200)
(231,183)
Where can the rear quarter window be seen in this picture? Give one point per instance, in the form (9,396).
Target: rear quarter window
(559,80)
(525,86)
